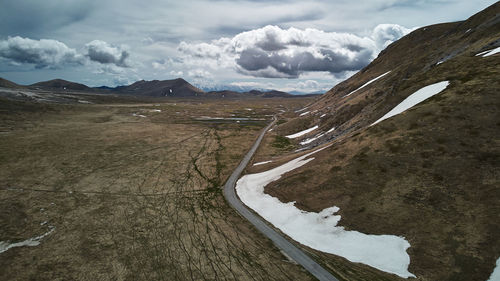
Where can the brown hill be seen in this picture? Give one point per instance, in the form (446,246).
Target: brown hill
(431,173)
(4,83)
(156,88)
(59,84)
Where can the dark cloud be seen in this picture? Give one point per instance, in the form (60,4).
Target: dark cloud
(102,52)
(273,52)
(291,66)
(34,18)
(44,53)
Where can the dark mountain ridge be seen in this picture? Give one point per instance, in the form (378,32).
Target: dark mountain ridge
(155,88)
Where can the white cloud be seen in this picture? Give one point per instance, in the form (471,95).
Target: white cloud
(42,53)
(199,74)
(105,53)
(385,34)
(273,52)
(176,73)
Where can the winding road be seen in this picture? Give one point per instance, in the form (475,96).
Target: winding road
(281,242)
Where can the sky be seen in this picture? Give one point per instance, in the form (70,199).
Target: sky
(289,45)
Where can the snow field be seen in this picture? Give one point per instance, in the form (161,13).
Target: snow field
(262,163)
(31,242)
(301,133)
(320,230)
(367,83)
(495,275)
(415,98)
(489,52)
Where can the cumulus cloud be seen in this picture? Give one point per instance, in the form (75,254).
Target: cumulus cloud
(273,52)
(105,53)
(44,53)
(199,74)
(385,34)
(176,73)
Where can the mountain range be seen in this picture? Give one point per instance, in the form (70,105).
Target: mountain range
(155,88)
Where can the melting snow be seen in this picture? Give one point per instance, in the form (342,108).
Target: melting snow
(482,53)
(491,52)
(297,111)
(302,114)
(415,98)
(262,163)
(138,115)
(319,230)
(331,130)
(308,141)
(301,133)
(367,83)
(35,241)
(495,275)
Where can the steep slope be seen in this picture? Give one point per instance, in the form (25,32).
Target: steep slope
(4,83)
(429,174)
(59,84)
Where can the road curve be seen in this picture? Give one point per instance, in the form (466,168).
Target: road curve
(281,242)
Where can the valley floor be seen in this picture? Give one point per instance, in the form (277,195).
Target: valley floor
(127,191)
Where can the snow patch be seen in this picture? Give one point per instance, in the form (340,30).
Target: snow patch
(297,111)
(308,141)
(331,130)
(319,230)
(138,115)
(495,275)
(31,242)
(367,83)
(302,114)
(262,163)
(415,98)
(491,52)
(301,133)
(322,115)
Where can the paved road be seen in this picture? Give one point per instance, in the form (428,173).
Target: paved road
(281,242)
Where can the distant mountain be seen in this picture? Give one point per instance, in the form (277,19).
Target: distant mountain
(59,84)
(156,88)
(307,93)
(229,87)
(9,84)
(254,94)
(247,89)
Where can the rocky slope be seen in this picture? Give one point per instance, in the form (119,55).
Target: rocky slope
(430,174)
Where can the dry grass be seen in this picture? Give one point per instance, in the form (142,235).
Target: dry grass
(130,198)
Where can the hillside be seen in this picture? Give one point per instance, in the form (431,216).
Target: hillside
(429,174)
(4,83)
(59,84)
(156,88)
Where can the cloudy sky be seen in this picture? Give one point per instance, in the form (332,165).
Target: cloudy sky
(291,45)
